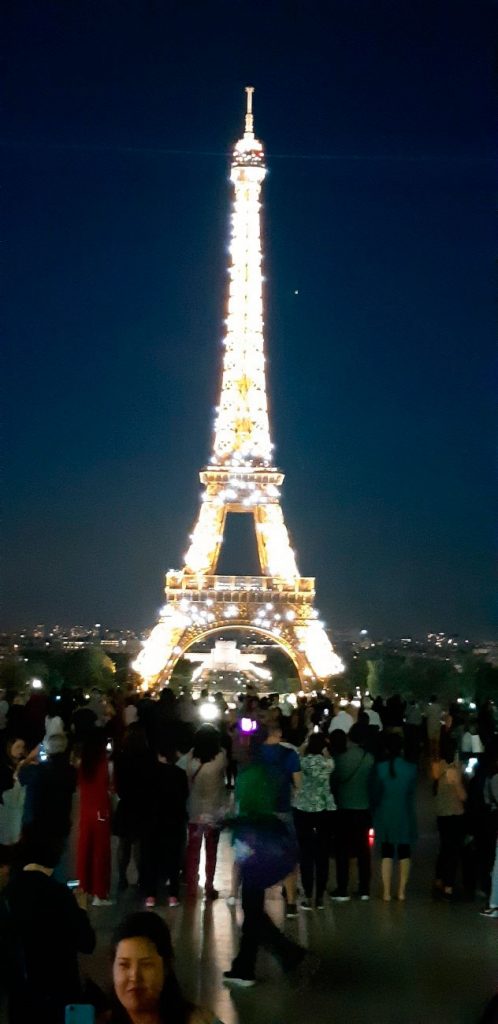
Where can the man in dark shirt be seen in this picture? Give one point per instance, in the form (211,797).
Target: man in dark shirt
(83,721)
(164,843)
(49,789)
(42,931)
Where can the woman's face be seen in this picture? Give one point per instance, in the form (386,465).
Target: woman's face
(138,974)
(17,751)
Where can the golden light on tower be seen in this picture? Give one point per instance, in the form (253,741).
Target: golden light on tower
(241,478)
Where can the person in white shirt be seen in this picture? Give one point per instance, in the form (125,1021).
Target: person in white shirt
(341,720)
(373,716)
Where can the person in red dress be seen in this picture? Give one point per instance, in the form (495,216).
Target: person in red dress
(94,839)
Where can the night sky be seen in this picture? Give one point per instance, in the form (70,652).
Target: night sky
(377,119)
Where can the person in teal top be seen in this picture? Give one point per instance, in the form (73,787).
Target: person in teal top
(351,782)
(394,784)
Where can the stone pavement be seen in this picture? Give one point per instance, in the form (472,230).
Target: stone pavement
(418,962)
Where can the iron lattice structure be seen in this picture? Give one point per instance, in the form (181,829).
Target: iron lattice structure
(241,478)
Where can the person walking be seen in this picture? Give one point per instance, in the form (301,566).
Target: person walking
(265,852)
(314,808)
(351,782)
(94,839)
(205,767)
(393,786)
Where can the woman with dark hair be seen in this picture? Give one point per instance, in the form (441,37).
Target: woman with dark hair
(133,768)
(94,837)
(144,982)
(13,756)
(294,728)
(205,767)
(394,785)
(313,813)
(12,791)
(450,805)
(42,930)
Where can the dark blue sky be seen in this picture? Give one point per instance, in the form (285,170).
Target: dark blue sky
(377,119)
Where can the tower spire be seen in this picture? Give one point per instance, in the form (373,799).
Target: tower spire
(249,126)
(242,429)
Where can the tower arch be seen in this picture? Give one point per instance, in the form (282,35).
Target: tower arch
(218,628)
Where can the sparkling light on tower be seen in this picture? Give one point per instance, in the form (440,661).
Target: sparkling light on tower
(241,478)
(242,427)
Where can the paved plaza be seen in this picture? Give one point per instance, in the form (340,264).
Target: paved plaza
(381,963)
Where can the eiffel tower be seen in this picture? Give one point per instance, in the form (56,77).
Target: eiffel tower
(241,478)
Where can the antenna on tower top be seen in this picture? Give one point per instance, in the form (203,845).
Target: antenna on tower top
(249,129)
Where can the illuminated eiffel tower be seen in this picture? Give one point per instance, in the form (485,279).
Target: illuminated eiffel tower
(241,478)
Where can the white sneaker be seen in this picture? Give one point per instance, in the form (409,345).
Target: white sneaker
(97,902)
(232,978)
(490,912)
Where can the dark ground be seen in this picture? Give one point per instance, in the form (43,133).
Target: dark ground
(383,963)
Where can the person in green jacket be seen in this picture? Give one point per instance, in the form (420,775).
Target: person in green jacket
(265,850)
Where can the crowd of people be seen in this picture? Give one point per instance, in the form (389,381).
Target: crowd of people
(303,784)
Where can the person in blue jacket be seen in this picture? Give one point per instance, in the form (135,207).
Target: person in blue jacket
(394,785)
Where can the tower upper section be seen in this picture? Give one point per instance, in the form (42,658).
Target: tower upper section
(242,430)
